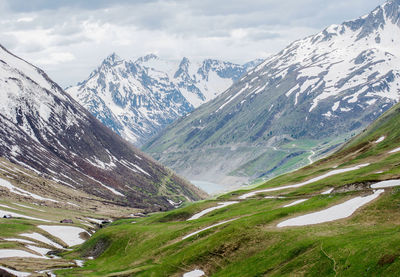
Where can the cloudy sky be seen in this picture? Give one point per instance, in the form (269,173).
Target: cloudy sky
(69,38)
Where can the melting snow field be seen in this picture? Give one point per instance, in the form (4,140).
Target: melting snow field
(19,240)
(3,213)
(206,211)
(333,172)
(194,273)
(40,250)
(68,234)
(41,238)
(14,253)
(382,138)
(386,184)
(209,227)
(327,191)
(16,273)
(336,212)
(14,189)
(395,150)
(295,203)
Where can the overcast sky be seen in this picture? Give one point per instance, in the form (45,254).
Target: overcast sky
(69,38)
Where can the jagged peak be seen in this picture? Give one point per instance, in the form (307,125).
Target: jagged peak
(147,58)
(112,59)
(367,24)
(184,64)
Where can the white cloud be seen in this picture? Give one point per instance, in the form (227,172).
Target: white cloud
(68,39)
(56,58)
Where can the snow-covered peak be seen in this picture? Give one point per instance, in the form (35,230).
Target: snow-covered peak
(147,58)
(112,60)
(138,99)
(44,129)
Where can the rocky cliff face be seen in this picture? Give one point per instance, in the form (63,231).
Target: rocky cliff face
(42,128)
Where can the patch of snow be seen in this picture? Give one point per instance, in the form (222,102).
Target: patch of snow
(175,204)
(79,263)
(142,170)
(331,173)
(328,191)
(14,272)
(206,211)
(41,238)
(336,212)
(68,234)
(335,106)
(14,253)
(209,227)
(382,138)
(194,273)
(292,90)
(28,207)
(386,184)
(13,214)
(231,98)
(40,250)
(19,240)
(7,207)
(107,187)
(295,203)
(98,221)
(395,150)
(14,189)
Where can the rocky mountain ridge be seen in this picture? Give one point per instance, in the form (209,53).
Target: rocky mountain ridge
(295,106)
(137,99)
(43,129)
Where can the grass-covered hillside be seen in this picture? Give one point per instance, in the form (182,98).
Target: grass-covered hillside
(31,208)
(253,236)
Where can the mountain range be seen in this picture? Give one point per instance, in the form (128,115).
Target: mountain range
(43,129)
(137,99)
(294,107)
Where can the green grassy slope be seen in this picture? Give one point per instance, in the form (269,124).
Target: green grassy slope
(365,244)
(59,202)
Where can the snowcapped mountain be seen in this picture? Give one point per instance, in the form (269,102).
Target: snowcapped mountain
(42,128)
(308,98)
(138,99)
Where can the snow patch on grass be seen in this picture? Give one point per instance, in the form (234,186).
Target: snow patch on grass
(19,240)
(382,138)
(395,150)
(15,253)
(206,211)
(4,213)
(41,238)
(68,234)
(14,272)
(330,173)
(386,184)
(40,250)
(209,227)
(336,212)
(14,189)
(295,203)
(194,273)
(328,191)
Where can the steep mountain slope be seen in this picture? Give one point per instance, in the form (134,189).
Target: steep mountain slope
(336,217)
(138,99)
(293,107)
(44,129)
